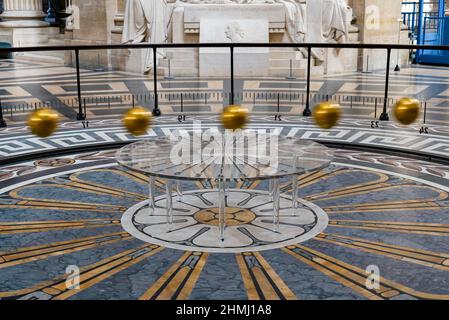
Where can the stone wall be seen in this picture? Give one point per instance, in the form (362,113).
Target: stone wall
(378,23)
(102,23)
(97,25)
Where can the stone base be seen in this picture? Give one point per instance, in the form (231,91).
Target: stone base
(251,62)
(28,37)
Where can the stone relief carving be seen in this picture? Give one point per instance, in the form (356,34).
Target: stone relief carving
(234,32)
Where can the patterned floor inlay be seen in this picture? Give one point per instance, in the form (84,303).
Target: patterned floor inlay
(249,220)
(63,216)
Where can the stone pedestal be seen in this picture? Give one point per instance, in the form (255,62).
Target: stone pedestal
(23,14)
(23,24)
(251,62)
(378,23)
(215,23)
(96,28)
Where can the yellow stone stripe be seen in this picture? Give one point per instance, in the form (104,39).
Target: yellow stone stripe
(176,276)
(369,185)
(422,257)
(45,226)
(313,178)
(264,278)
(442,196)
(305,180)
(353,190)
(254,184)
(386,187)
(396,208)
(407,227)
(250,286)
(424,204)
(336,273)
(355,278)
(103,190)
(320,176)
(30,254)
(58,285)
(92,277)
(55,203)
(42,205)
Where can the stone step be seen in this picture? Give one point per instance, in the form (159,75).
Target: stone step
(317,70)
(50,58)
(183,54)
(56,41)
(286,49)
(296,55)
(285,72)
(285,63)
(179,63)
(179,72)
(297,72)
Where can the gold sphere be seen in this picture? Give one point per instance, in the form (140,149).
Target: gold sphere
(327,114)
(137,121)
(234,117)
(43,123)
(407,110)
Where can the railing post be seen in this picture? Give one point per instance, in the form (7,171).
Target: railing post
(156,110)
(2,121)
(80,115)
(232,75)
(307,112)
(384,116)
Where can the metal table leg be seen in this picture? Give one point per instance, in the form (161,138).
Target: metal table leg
(179,190)
(152,188)
(222,208)
(295,188)
(276,204)
(295,205)
(169,197)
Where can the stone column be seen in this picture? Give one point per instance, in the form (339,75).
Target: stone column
(23,14)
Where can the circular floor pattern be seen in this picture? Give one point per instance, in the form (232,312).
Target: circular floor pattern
(249,218)
(384,211)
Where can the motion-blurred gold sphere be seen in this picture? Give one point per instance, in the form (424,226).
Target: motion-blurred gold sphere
(137,121)
(43,123)
(407,110)
(234,117)
(327,114)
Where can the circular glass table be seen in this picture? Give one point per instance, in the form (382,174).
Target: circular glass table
(220,158)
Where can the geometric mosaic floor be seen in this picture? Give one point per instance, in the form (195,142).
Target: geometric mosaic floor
(385,212)
(249,222)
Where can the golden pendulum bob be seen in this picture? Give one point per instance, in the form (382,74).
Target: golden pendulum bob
(406,110)
(327,114)
(43,123)
(234,117)
(137,121)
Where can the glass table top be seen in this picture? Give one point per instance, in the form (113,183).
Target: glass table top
(225,156)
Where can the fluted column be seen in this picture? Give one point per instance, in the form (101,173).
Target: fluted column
(23,14)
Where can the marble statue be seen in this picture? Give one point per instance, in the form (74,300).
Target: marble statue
(336,20)
(149,21)
(295,13)
(146,21)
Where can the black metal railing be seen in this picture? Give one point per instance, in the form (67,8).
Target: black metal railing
(81,105)
(410,14)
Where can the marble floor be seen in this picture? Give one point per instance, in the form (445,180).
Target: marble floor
(26,85)
(65,212)
(385,212)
